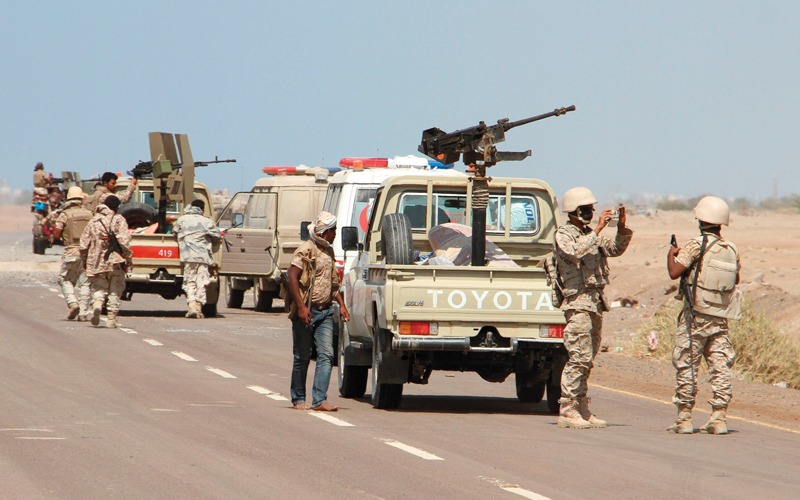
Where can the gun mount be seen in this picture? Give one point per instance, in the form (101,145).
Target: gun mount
(477,146)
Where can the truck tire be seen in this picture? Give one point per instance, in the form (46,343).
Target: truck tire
(396,239)
(384,396)
(212,297)
(233,298)
(40,245)
(529,390)
(138,214)
(553,393)
(264,300)
(352,379)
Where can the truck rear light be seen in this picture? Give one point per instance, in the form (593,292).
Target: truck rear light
(551,331)
(419,328)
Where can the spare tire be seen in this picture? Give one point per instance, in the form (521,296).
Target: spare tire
(396,239)
(138,214)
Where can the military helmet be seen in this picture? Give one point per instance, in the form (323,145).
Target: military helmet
(712,210)
(75,193)
(577,197)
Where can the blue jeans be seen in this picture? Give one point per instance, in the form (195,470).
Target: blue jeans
(321,334)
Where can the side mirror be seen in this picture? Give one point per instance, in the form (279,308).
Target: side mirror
(350,238)
(238,219)
(304,236)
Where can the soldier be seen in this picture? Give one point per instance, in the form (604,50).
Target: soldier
(109,180)
(313,287)
(197,238)
(70,222)
(41,179)
(709,270)
(105,262)
(581,257)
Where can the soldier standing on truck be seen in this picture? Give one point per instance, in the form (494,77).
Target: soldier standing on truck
(109,180)
(106,254)
(313,286)
(197,236)
(41,179)
(70,222)
(709,270)
(582,262)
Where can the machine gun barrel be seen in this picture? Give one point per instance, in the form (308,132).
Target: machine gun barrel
(215,160)
(556,112)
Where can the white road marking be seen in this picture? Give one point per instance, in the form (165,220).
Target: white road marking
(153,342)
(183,356)
(221,373)
(33,438)
(410,449)
(266,392)
(163,409)
(55,291)
(514,488)
(330,419)
(25,430)
(128,330)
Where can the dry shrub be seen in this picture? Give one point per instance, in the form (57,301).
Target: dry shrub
(763,354)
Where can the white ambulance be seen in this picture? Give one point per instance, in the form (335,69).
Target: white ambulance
(351,192)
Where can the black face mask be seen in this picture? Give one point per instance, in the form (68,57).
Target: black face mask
(585,213)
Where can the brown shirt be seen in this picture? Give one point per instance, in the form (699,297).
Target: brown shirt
(321,285)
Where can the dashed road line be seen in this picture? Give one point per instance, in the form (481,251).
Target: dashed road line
(183,356)
(330,419)
(153,342)
(412,450)
(128,330)
(221,373)
(514,488)
(268,393)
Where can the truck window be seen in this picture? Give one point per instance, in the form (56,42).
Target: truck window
(332,198)
(149,198)
(453,208)
(258,213)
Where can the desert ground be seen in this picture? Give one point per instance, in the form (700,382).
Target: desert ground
(769,246)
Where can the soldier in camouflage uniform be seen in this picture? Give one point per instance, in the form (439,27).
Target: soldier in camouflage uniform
(197,238)
(106,275)
(109,180)
(70,221)
(710,266)
(581,256)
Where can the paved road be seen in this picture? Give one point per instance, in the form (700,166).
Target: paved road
(167,407)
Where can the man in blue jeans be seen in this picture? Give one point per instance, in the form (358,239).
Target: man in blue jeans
(313,286)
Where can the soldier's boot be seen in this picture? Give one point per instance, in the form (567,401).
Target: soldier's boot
(74,309)
(718,423)
(194,310)
(586,414)
(97,308)
(569,416)
(111,320)
(684,423)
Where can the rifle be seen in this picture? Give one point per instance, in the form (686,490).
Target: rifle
(114,244)
(477,143)
(688,290)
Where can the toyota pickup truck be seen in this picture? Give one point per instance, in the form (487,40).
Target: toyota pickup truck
(156,258)
(409,317)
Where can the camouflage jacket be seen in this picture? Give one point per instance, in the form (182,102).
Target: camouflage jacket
(71,218)
(197,236)
(101,192)
(95,241)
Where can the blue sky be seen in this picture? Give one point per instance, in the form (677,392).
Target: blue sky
(673,98)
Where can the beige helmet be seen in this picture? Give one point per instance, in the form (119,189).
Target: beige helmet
(75,193)
(577,197)
(712,210)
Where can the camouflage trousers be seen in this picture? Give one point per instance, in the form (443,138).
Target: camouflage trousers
(710,340)
(109,285)
(582,337)
(72,276)
(195,280)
